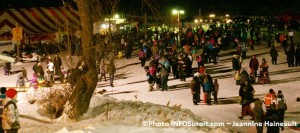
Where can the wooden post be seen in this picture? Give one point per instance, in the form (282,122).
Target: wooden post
(17,43)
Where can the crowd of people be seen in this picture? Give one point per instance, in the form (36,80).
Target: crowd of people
(170,53)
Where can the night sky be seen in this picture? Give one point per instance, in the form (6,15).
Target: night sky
(241,7)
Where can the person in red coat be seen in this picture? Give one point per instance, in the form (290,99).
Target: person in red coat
(201,69)
(254,64)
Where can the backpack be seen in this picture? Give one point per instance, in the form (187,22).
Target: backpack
(282,104)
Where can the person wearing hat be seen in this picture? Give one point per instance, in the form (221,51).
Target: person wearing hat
(10,118)
(270,98)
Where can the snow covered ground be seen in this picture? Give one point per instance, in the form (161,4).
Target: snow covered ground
(130,84)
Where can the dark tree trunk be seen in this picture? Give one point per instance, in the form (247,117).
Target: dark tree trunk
(86,80)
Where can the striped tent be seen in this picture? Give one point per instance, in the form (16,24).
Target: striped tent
(38,20)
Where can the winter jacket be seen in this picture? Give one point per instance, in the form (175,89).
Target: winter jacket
(163,71)
(258,112)
(269,99)
(142,54)
(57,62)
(235,64)
(207,84)
(246,93)
(195,86)
(152,71)
(273,52)
(111,69)
(254,64)
(10,114)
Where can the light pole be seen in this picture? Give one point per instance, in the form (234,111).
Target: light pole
(178,12)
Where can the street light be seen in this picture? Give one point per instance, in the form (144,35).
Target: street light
(178,12)
(212,15)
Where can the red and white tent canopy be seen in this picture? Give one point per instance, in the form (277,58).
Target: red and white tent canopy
(38,20)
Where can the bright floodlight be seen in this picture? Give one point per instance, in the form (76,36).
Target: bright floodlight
(117,16)
(211,15)
(227,15)
(177,12)
(196,21)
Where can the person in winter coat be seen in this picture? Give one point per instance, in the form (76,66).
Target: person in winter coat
(150,78)
(200,61)
(290,56)
(244,49)
(281,106)
(174,63)
(195,88)
(215,54)
(258,115)
(254,64)
(111,70)
(264,69)
(207,88)
(152,75)
(244,76)
(252,77)
(236,63)
(297,56)
(272,118)
(39,70)
(21,81)
(50,68)
(216,90)
(2,96)
(246,93)
(102,73)
(164,74)
(270,98)
(182,69)
(194,50)
(274,55)
(154,49)
(57,64)
(24,73)
(142,57)
(201,69)
(10,118)
(7,68)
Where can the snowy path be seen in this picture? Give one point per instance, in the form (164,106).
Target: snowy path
(132,85)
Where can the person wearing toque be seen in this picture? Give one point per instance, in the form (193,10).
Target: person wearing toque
(10,118)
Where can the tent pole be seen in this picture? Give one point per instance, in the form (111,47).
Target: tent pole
(69,44)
